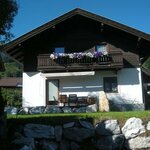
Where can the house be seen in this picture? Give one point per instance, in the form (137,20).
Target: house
(81,53)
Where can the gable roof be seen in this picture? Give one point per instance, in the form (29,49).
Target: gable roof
(68,15)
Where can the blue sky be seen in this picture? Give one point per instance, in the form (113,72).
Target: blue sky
(33,13)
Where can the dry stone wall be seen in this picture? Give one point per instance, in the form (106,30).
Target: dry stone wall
(83,135)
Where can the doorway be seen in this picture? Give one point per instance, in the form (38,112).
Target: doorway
(52,91)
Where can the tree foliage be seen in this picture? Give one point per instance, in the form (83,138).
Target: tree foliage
(8,9)
(12,70)
(146,64)
(12,97)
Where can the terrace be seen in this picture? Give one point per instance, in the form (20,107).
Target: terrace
(49,62)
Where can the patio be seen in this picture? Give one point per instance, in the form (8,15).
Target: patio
(75,101)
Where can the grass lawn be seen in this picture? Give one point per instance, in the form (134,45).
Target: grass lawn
(67,117)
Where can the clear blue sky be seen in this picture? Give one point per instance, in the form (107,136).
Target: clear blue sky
(33,13)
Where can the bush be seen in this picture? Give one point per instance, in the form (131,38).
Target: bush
(12,97)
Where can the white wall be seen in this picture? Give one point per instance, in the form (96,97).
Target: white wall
(33,89)
(84,85)
(129,85)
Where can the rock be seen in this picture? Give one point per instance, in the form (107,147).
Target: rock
(118,141)
(67,110)
(103,102)
(103,143)
(138,143)
(148,126)
(23,110)
(26,148)
(86,124)
(11,110)
(25,143)
(39,131)
(78,134)
(114,142)
(133,127)
(37,110)
(48,145)
(69,125)
(64,145)
(80,110)
(58,133)
(17,135)
(74,146)
(108,127)
(91,108)
(52,109)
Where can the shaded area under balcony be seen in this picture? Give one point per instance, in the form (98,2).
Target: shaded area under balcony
(113,60)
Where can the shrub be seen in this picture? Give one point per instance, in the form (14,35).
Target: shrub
(12,97)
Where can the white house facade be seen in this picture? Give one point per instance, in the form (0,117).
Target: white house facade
(129,85)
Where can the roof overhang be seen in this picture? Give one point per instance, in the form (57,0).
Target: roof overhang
(13,48)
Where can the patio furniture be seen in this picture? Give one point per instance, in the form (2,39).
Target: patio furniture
(73,99)
(63,99)
(82,100)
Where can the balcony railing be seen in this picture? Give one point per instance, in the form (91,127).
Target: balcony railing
(112,60)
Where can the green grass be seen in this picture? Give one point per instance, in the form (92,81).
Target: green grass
(94,117)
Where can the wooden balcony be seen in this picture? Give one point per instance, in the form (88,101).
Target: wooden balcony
(113,61)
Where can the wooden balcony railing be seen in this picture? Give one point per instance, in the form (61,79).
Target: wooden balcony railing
(113,60)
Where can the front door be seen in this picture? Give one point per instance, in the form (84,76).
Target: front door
(52,91)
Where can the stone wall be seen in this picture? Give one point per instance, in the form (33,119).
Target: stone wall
(51,109)
(83,135)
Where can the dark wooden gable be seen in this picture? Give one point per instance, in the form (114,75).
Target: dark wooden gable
(78,30)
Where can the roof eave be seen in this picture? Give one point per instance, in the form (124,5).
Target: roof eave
(68,15)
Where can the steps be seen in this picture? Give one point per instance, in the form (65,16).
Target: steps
(117,103)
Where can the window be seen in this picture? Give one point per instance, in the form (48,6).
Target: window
(101,48)
(110,84)
(59,50)
(52,90)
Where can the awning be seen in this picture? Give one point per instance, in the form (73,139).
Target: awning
(66,74)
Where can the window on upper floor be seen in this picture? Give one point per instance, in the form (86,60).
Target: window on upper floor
(101,48)
(59,50)
(110,84)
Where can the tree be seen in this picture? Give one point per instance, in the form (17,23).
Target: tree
(12,69)
(8,9)
(12,97)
